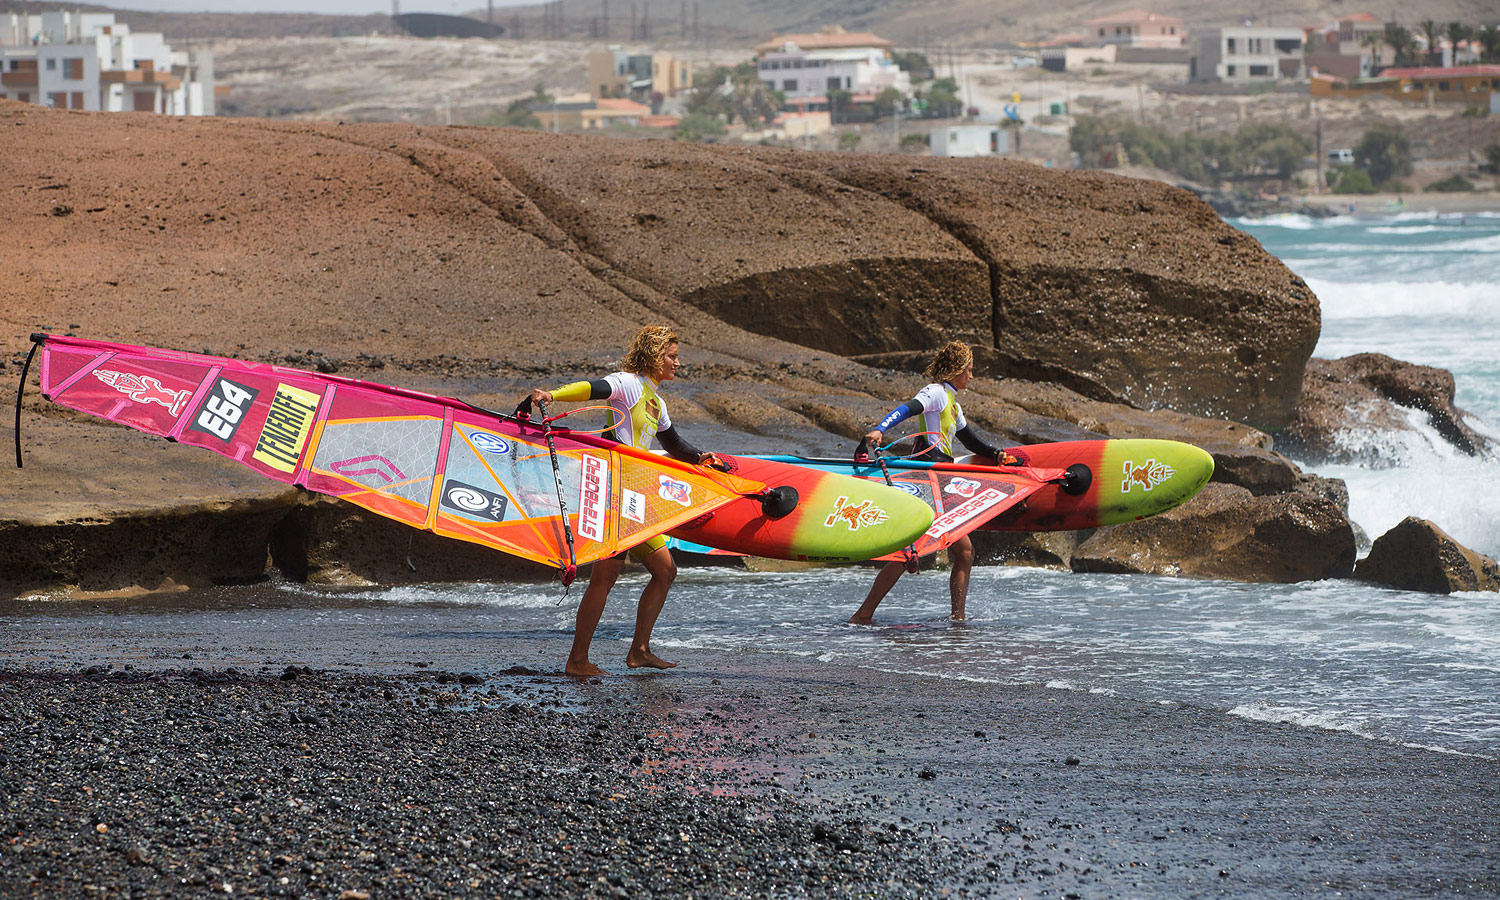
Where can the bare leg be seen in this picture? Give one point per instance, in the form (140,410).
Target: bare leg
(884,581)
(590,608)
(960,561)
(663,572)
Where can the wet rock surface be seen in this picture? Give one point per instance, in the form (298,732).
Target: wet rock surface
(1357,410)
(1226,532)
(1416,555)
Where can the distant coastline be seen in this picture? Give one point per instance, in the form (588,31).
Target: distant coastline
(1386,204)
(1231,205)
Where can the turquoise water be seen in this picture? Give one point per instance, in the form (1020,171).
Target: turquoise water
(1423,288)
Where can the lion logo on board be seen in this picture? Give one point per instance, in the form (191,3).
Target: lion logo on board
(1148,475)
(855,515)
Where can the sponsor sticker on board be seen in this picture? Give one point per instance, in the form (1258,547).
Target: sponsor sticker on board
(965,511)
(593,497)
(963,487)
(1147,475)
(855,515)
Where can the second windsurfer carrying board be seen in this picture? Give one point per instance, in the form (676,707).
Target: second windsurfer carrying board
(642,416)
(951,370)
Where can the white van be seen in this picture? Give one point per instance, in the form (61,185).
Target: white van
(1341,157)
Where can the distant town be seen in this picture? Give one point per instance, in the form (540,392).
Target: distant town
(838,89)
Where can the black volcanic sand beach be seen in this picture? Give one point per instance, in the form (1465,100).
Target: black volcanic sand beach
(143,761)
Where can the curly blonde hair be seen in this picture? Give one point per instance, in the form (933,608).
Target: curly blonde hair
(951,359)
(646,351)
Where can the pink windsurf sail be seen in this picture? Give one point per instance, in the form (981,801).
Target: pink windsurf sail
(432,462)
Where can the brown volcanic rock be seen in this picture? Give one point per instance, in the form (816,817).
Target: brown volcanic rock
(481,262)
(1119,288)
(1416,555)
(526,248)
(1351,406)
(1225,532)
(756,239)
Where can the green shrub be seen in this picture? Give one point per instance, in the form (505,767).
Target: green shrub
(915,143)
(698,126)
(1453,183)
(1354,181)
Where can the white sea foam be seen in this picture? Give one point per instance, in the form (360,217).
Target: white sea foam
(1426,477)
(1262,711)
(1431,299)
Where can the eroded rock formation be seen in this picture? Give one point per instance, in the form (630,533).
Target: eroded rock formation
(481,262)
(1366,409)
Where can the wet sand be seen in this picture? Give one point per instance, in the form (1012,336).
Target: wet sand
(284,751)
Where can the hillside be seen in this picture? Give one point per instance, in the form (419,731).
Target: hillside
(932,25)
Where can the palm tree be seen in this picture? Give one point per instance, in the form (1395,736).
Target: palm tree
(1402,42)
(1457,33)
(1489,37)
(753,99)
(1374,40)
(1429,30)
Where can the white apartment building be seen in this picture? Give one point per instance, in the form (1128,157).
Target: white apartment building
(1245,53)
(88,61)
(811,65)
(970,140)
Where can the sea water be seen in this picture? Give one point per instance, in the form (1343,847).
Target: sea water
(1390,665)
(1422,288)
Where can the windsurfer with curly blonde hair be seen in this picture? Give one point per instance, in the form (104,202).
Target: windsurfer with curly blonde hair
(642,416)
(950,371)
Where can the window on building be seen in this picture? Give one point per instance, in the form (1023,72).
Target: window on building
(1101,32)
(1229,71)
(1260,71)
(835,83)
(58,101)
(51,65)
(143,101)
(78,99)
(1229,46)
(1442,85)
(73,68)
(789,84)
(1288,45)
(770,85)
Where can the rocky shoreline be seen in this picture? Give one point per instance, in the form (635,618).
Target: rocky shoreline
(808,286)
(734,777)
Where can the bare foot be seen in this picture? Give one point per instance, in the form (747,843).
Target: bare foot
(636,659)
(858,619)
(584,669)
